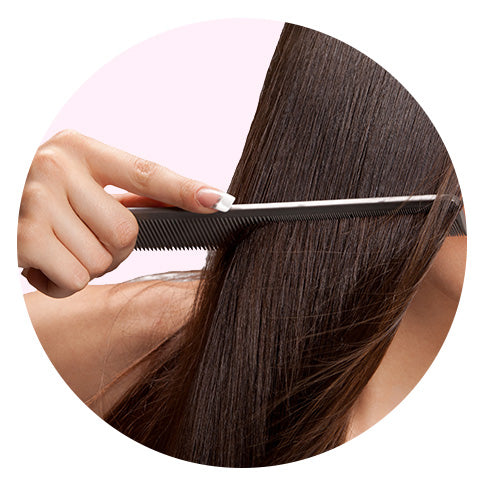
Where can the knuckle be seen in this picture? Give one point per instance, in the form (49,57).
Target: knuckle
(66,136)
(47,160)
(125,234)
(52,154)
(34,193)
(143,171)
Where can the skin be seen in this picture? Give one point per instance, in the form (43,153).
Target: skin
(419,338)
(85,232)
(93,336)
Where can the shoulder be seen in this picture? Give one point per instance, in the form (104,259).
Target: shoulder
(89,300)
(94,335)
(153,307)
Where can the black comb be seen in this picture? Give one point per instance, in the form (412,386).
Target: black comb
(175,229)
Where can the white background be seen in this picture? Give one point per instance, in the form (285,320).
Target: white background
(50,48)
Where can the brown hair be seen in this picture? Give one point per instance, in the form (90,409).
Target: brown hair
(291,320)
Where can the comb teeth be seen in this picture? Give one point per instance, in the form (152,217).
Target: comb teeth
(205,232)
(459,226)
(175,229)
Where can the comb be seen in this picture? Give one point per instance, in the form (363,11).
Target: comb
(171,228)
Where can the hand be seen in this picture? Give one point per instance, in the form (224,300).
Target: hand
(70,230)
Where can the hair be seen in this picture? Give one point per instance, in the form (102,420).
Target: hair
(292,319)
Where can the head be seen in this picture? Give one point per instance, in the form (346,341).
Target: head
(292,320)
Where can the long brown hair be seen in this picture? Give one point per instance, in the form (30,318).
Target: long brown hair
(291,320)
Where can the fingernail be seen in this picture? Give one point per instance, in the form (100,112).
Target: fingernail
(210,198)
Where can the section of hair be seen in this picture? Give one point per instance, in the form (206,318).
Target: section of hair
(293,319)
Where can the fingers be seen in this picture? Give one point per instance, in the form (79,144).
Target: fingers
(70,249)
(43,284)
(114,226)
(71,230)
(81,242)
(142,177)
(43,251)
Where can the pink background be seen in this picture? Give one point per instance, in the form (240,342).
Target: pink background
(184,99)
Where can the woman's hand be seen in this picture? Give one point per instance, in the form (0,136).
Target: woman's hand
(70,230)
